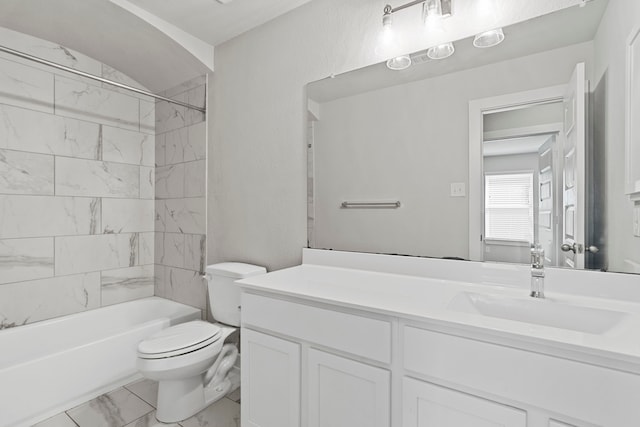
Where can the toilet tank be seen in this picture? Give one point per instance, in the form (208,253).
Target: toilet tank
(224,294)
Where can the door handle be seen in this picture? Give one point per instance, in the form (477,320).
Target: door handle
(578,248)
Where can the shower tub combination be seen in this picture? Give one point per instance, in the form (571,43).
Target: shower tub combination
(50,366)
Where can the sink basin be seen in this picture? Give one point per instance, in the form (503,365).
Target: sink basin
(538,311)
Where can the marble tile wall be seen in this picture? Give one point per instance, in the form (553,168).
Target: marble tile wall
(77,187)
(180,191)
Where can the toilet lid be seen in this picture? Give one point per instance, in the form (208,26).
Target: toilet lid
(179,339)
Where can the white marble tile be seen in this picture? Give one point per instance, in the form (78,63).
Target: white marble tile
(127,284)
(25,173)
(195,250)
(147,183)
(150,420)
(25,259)
(170,116)
(158,248)
(186,215)
(46,50)
(195,181)
(125,146)
(95,104)
(53,135)
(159,278)
(60,420)
(184,87)
(25,86)
(173,252)
(223,413)
(170,181)
(160,150)
(147,116)
(160,210)
(81,254)
(40,216)
(114,409)
(114,75)
(127,215)
(146,248)
(35,300)
(79,177)
(184,286)
(175,141)
(196,147)
(196,97)
(146,390)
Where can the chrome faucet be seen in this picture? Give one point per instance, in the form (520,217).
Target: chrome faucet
(537,271)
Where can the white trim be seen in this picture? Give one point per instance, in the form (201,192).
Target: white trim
(632,177)
(477,109)
(545,129)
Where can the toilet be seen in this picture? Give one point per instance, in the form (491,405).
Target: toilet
(190,361)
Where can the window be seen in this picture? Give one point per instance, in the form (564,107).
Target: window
(508,213)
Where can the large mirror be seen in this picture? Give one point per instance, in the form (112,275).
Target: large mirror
(483,154)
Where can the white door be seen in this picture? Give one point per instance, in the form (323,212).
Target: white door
(345,393)
(548,236)
(573,199)
(428,405)
(270,388)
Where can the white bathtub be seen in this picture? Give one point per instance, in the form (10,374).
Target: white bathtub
(51,366)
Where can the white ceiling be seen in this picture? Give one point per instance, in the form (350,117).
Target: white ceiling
(214,22)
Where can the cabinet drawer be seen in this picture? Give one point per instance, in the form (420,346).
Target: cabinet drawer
(362,336)
(425,404)
(577,390)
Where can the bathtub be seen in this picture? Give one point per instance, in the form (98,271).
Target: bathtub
(50,366)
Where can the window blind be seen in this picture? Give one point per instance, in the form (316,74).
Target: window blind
(509,206)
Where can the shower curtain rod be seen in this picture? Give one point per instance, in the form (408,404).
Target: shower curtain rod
(94,77)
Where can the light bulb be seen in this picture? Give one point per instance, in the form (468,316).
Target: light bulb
(441,51)
(489,38)
(388,44)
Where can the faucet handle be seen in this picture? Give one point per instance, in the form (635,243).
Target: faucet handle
(537,256)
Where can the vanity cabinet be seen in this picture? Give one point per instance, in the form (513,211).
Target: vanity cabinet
(346,393)
(271,381)
(307,363)
(428,405)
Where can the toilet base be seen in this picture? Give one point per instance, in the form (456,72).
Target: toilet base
(179,400)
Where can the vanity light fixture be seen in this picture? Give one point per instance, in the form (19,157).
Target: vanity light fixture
(489,38)
(432,10)
(399,63)
(441,51)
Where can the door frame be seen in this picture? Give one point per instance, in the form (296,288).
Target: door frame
(477,109)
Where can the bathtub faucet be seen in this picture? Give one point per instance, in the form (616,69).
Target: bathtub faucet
(537,271)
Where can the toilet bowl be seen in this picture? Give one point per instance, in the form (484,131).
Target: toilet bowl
(191,361)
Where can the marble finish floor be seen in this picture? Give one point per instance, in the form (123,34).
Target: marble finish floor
(134,405)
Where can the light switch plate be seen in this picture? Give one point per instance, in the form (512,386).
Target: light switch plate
(458,189)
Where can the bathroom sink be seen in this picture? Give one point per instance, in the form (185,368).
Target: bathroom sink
(538,311)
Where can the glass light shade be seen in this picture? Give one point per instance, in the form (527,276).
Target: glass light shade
(441,51)
(399,63)
(489,38)
(432,9)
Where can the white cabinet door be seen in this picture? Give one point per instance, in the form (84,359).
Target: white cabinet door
(345,393)
(428,405)
(270,381)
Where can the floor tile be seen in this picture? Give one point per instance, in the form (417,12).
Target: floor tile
(223,413)
(234,395)
(60,420)
(115,409)
(146,390)
(150,420)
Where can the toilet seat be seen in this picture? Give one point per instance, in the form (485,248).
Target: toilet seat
(179,340)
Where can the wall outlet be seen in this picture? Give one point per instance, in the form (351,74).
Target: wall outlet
(636,219)
(458,189)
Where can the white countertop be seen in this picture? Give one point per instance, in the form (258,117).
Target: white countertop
(427,301)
